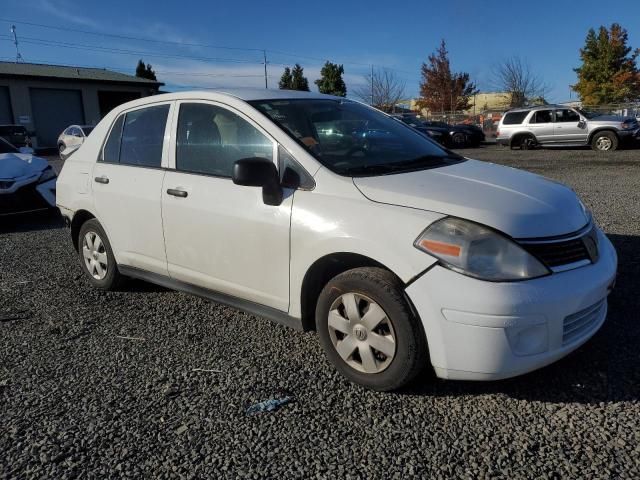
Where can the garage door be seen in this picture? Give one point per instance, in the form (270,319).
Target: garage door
(6,118)
(53,111)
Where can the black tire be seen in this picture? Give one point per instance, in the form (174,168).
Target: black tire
(382,287)
(604,141)
(458,140)
(112,279)
(528,142)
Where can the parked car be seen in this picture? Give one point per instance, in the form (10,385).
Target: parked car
(439,135)
(454,136)
(71,139)
(16,135)
(27,182)
(398,255)
(558,126)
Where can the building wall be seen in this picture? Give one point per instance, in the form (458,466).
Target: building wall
(21,98)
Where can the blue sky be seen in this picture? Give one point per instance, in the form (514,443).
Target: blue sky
(395,35)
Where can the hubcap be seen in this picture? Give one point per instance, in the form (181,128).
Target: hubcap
(603,143)
(95,255)
(361,333)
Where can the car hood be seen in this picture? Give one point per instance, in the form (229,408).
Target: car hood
(19,165)
(610,119)
(518,203)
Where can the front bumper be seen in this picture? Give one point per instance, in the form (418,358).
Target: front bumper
(479,330)
(505,142)
(28,197)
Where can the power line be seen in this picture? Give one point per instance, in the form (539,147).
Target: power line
(192,44)
(126,37)
(52,43)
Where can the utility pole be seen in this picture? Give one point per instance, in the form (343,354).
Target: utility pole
(15,42)
(264,54)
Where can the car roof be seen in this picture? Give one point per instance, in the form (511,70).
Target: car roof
(245,94)
(537,107)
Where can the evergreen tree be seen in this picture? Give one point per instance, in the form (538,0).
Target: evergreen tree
(145,71)
(298,80)
(608,73)
(285,79)
(330,81)
(442,90)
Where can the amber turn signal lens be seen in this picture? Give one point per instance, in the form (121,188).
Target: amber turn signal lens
(440,247)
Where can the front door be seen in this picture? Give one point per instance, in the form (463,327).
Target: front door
(219,235)
(127,183)
(567,127)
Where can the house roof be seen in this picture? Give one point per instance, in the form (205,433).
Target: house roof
(71,73)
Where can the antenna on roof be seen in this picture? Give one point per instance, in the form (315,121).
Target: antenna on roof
(15,42)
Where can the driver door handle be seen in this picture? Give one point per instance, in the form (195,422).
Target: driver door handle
(104,180)
(177,192)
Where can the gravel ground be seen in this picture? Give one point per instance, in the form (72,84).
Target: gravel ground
(107,385)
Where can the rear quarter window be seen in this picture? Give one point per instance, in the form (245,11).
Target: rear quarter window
(514,118)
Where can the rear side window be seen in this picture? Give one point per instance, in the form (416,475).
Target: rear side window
(111,151)
(210,139)
(143,136)
(514,118)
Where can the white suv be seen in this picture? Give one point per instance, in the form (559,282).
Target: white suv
(325,214)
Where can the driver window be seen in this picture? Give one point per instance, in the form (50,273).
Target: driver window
(541,116)
(210,139)
(563,116)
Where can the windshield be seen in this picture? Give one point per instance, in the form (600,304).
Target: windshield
(587,114)
(352,139)
(6,147)
(12,130)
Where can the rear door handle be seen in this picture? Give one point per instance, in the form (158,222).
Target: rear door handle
(102,179)
(177,192)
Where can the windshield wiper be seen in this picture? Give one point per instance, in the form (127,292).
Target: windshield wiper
(382,168)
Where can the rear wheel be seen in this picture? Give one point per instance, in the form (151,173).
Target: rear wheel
(604,141)
(96,256)
(528,142)
(368,331)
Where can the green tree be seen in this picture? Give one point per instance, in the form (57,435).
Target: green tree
(298,80)
(145,71)
(330,81)
(285,79)
(440,88)
(609,73)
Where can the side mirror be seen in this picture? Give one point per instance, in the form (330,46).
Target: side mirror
(259,172)
(582,123)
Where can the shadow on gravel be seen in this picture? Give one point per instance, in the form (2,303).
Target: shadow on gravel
(28,222)
(605,369)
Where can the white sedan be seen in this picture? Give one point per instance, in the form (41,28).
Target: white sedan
(325,214)
(72,138)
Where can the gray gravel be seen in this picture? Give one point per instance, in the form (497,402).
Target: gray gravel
(78,401)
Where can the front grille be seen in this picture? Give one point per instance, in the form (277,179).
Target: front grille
(581,323)
(22,200)
(565,251)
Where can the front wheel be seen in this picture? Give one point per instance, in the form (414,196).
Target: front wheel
(368,331)
(604,142)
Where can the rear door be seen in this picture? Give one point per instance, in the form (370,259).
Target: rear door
(567,127)
(219,235)
(541,125)
(127,182)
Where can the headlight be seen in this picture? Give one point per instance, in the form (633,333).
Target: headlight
(47,174)
(478,251)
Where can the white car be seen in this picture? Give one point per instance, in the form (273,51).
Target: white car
(27,182)
(71,139)
(397,251)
